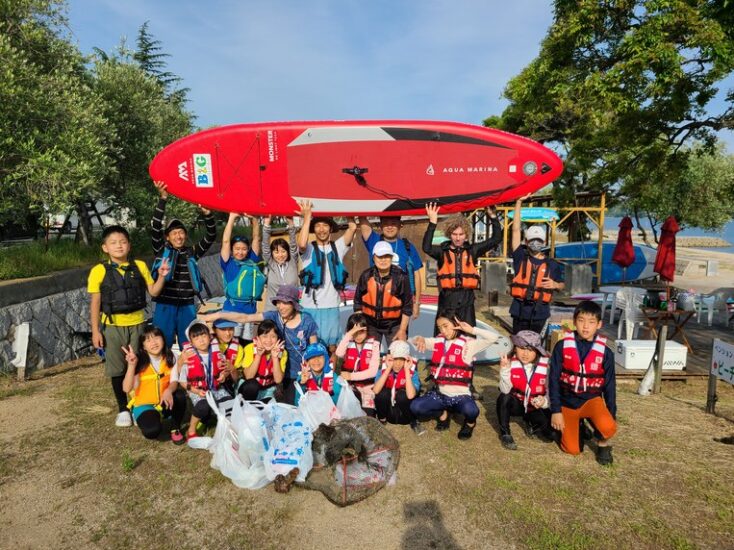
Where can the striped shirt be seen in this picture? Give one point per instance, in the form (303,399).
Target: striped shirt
(179,291)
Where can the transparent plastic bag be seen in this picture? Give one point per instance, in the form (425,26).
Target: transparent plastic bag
(231,456)
(348,405)
(317,407)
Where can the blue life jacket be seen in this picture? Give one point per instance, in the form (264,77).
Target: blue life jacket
(312,275)
(247,287)
(171,254)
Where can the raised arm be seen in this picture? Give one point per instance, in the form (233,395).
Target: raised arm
(256,240)
(211,233)
(157,237)
(292,239)
(350,232)
(365,228)
(226,251)
(517,223)
(305,213)
(434,252)
(266,238)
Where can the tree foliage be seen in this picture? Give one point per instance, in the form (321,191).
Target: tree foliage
(53,135)
(624,90)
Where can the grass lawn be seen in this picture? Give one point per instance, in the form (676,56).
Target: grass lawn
(71,479)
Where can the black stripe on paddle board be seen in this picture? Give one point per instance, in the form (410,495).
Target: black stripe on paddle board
(415,134)
(409,204)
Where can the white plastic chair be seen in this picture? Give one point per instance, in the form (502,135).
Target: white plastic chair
(712,304)
(632,316)
(621,297)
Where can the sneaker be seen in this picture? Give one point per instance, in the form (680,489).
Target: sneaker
(443,425)
(508,442)
(604,456)
(417,427)
(124,420)
(177,437)
(383,421)
(465,431)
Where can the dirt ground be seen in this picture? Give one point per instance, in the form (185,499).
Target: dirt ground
(70,479)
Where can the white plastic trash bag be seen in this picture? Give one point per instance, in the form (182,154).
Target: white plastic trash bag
(230,455)
(288,444)
(348,404)
(317,407)
(248,425)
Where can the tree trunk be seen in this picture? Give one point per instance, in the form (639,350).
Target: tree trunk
(84,228)
(640,228)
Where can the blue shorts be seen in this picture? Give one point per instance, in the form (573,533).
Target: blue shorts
(328,321)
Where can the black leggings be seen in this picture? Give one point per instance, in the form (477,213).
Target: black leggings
(249,390)
(536,325)
(120,396)
(538,420)
(150,422)
(395,414)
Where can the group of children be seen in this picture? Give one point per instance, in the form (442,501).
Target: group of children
(299,343)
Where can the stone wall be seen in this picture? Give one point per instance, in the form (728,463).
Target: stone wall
(57,308)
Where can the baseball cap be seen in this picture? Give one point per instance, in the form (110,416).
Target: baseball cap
(224,323)
(399,350)
(382,249)
(314,350)
(535,232)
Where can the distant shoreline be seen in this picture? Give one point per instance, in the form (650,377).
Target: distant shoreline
(685,241)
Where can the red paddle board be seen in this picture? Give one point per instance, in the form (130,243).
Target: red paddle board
(353,167)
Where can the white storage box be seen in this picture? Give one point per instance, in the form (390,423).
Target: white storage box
(637,354)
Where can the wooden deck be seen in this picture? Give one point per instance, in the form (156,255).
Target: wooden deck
(699,335)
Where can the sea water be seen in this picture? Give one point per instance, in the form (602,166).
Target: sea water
(727,233)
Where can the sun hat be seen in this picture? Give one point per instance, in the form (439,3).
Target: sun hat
(535,232)
(287,293)
(322,219)
(399,350)
(529,339)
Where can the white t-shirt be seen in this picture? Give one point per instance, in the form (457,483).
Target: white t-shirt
(326,296)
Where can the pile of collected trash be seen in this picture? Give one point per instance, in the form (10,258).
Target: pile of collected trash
(331,448)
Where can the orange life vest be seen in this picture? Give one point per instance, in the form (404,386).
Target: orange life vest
(526,389)
(152,384)
(461,273)
(586,377)
(525,284)
(379,302)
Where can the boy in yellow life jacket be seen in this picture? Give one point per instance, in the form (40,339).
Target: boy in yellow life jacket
(117,289)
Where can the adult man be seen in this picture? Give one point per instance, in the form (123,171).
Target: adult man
(323,275)
(408,258)
(383,295)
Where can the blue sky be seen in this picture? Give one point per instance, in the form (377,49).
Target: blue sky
(251,61)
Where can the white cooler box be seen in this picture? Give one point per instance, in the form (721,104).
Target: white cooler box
(637,354)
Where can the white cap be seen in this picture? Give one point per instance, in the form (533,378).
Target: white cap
(399,349)
(395,260)
(535,232)
(382,249)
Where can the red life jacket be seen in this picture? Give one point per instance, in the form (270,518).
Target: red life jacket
(396,381)
(264,374)
(586,377)
(522,388)
(356,360)
(327,381)
(447,365)
(196,375)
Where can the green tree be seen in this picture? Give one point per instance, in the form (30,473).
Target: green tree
(152,59)
(623,89)
(53,135)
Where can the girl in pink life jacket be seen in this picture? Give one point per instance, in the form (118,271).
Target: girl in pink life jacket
(202,368)
(264,364)
(360,356)
(317,373)
(524,388)
(452,369)
(396,386)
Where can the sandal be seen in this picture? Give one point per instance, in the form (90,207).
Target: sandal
(177,437)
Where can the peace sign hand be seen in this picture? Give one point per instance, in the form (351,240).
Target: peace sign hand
(130,356)
(463,326)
